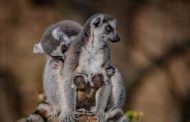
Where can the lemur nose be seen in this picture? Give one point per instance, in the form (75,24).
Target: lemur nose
(115,38)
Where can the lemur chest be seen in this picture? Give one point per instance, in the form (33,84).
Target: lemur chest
(91,61)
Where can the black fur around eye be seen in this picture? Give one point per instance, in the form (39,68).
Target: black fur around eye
(108,29)
(64,48)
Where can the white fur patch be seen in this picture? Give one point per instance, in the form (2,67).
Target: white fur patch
(91,58)
(66,39)
(56,33)
(38,48)
(95,19)
(60,36)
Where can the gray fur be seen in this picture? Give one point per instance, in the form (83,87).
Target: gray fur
(117,98)
(52,76)
(89,55)
(54,67)
(58,90)
(49,43)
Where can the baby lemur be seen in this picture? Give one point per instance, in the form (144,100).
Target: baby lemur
(88,56)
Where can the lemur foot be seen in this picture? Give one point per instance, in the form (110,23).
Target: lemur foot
(83,111)
(114,114)
(90,113)
(68,117)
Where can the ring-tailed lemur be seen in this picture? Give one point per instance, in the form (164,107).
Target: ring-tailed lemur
(89,55)
(54,43)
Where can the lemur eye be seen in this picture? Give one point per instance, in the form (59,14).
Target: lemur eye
(108,29)
(64,48)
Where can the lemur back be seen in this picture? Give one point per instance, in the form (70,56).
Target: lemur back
(55,43)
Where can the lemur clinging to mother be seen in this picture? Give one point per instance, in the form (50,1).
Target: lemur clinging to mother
(88,56)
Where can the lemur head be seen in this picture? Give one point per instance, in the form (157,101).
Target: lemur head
(104,27)
(57,38)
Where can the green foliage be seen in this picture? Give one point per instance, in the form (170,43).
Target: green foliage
(134,116)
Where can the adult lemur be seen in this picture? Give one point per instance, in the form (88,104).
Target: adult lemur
(88,56)
(54,43)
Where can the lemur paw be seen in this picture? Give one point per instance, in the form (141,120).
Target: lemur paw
(90,113)
(68,117)
(110,70)
(114,114)
(83,111)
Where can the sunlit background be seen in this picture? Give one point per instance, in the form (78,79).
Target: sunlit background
(153,54)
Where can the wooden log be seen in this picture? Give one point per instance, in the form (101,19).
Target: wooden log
(84,118)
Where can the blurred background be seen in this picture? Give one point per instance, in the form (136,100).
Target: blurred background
(153,54)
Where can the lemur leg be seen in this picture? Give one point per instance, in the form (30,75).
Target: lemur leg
(117,95)
(103,86)
(68,102)
(102,97)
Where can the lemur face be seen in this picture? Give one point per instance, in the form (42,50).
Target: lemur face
(55,44)
(63,42)
(105,28)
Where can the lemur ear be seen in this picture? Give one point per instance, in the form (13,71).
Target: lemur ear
(64,38)
(56,33)
(60,36)
(97,21)
(38,48)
